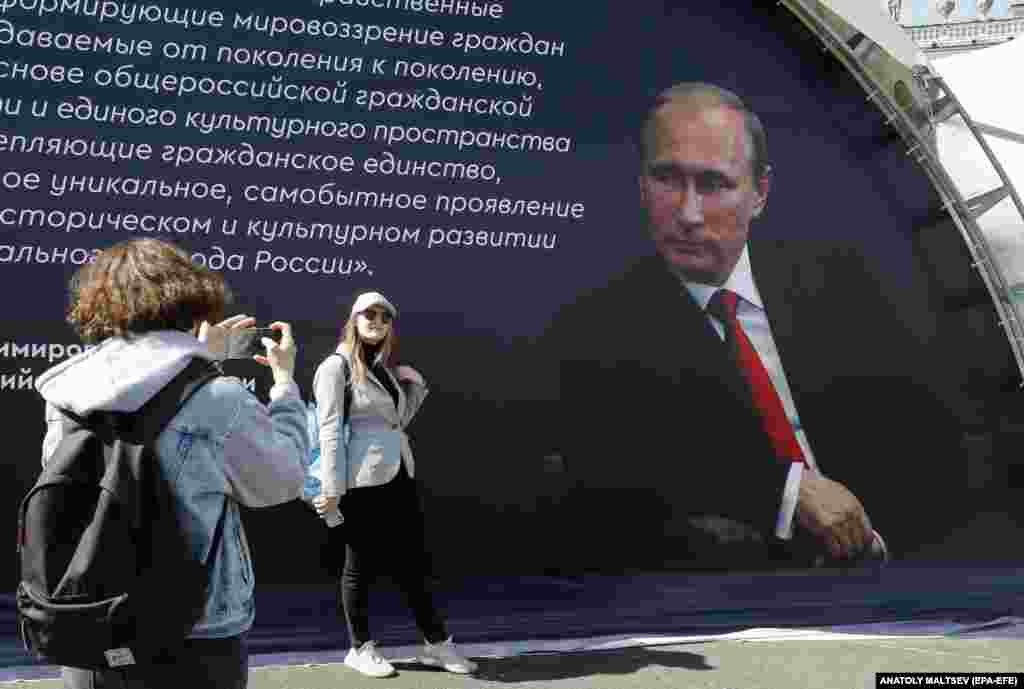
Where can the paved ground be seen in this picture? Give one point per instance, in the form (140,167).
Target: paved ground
(297,638)
(714,665)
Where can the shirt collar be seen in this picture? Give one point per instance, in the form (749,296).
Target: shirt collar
(741,281)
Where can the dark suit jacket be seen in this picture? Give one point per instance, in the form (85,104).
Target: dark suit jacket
(657,430)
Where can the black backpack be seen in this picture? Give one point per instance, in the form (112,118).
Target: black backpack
(106,575)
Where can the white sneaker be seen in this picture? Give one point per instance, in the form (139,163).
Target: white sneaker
(367,660)
(445,655)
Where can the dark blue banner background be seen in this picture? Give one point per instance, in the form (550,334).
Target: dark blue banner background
(474,319)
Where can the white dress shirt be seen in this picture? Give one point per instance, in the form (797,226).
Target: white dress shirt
(754,320)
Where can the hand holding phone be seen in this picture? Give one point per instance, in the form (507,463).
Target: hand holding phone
(235,338)
(280,353)
(246,343)
(215,337)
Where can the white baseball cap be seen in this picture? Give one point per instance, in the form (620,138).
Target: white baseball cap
(368,299)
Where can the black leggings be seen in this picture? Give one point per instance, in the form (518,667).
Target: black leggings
(383,532)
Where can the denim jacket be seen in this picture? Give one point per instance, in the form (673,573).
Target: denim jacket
(223,448)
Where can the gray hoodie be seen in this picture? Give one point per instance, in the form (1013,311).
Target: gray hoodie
(224,448)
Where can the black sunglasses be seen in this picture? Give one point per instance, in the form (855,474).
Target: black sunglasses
(377,314)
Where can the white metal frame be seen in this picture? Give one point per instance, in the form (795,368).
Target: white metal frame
(921,145)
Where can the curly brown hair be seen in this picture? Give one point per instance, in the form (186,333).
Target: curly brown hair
(141,285)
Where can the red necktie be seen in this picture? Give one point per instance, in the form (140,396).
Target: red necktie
(773,415)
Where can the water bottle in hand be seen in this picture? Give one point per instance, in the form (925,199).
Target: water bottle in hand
(333,519)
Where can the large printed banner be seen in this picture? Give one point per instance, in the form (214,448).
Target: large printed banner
(491,167)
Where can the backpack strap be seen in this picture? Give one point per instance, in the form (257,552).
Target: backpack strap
(145,424)
(346,402)
(151,419)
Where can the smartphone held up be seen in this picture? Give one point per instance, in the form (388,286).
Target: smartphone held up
(245,343)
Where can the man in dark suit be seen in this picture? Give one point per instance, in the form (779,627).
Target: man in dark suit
(739,401)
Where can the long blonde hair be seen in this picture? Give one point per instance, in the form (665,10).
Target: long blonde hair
(352,345)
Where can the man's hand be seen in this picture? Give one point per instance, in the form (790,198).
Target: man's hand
(216,336)
(832,513)
(325,505)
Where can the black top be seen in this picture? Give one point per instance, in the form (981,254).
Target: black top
(378,369)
